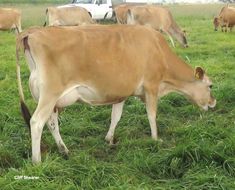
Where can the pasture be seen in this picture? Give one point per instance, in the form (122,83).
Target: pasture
(198,148)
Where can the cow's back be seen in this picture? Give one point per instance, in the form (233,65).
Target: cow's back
(155,16)
(113,59)
(68,16)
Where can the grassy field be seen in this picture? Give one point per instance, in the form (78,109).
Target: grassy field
(198,148)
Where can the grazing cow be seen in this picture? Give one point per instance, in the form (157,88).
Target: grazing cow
(102,65)
(159,18)
(68,16)
(226,19)
(10,19)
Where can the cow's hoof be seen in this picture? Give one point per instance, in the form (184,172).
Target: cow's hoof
(159,140)
(65,156)
(109,139)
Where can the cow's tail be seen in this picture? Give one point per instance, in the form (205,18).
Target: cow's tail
(24,109)
(46,18)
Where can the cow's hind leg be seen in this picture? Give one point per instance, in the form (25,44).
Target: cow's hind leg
(53,126)
(37,122)
(231,28)
(222,29)
(115,117)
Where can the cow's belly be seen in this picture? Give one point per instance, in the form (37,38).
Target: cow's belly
(85,94)
(6,27)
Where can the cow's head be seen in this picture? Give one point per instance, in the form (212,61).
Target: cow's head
(182,38)
(216,23)
(200,90)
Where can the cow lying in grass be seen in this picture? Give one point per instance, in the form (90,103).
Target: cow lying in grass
(102,65)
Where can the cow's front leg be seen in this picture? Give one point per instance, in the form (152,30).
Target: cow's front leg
(222,29)
(115,117)
(151,108)
(226,27)
(231,28)
(53,126)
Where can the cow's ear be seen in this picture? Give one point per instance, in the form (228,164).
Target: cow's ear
(199,73)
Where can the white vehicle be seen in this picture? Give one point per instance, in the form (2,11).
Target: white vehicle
(98,9)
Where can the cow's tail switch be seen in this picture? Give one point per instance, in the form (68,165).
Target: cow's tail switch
(24,109)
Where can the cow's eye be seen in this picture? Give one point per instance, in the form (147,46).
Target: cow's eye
(211,86)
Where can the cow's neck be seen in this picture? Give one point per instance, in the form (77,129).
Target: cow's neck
(179,77)
(174,29)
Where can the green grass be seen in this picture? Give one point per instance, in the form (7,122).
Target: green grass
(198,148)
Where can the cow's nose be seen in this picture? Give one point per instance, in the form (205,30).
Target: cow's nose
(212,103)
(186,46)
(215,29)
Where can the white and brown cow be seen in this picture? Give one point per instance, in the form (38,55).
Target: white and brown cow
(68,16)
(10,19)
(102,65)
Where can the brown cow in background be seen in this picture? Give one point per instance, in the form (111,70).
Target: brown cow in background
(158,18)
(68,16)
(10,19)
(226,19)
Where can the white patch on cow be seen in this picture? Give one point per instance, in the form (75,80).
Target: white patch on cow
(213,104)
(140,88)
(205,107)
(164,89)
(82,93)
(31,62)
(34,76)
(33,85)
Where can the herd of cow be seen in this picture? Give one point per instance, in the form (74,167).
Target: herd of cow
(105,64)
